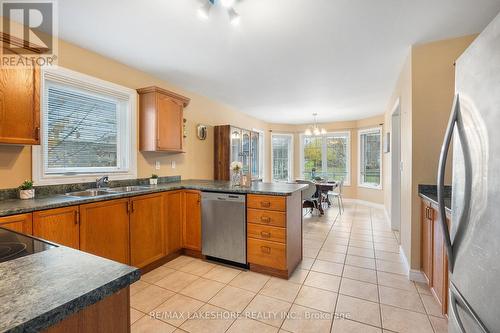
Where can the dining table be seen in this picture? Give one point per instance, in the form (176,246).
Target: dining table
(322,189)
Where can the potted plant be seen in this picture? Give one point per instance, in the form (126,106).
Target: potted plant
(236,167)
(26,190)
(153,180)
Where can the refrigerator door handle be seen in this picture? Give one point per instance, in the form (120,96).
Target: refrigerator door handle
(440,179)
(457,299)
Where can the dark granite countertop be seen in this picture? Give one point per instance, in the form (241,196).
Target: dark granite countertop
(17,206)
(429,192)
(39,290)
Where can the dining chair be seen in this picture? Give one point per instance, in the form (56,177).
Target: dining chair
(309,195)
(337,193)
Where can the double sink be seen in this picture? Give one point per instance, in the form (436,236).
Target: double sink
(97,192)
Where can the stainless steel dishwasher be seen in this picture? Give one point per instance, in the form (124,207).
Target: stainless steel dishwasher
(224,226)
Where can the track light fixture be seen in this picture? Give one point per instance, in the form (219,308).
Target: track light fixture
(204,10)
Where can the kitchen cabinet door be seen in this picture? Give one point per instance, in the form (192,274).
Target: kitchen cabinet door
(147,237)
(439,263)
(21,223)
(427,221)
(173,207)
(58,225)
(20,106)
(191,228)
(170,124)
(104,229)
(161,120)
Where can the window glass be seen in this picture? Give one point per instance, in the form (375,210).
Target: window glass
(281,157)
(370,157)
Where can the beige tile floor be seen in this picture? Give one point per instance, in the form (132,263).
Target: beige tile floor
(351,280)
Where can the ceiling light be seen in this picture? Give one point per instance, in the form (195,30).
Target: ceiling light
(227,3)
(234,17)
(204,10)
(315,130)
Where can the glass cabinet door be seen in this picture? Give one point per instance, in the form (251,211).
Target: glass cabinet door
(245,152)
(235,145)
(254,156)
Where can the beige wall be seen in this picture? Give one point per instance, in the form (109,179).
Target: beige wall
(426,89)
(352,191)
(197,162)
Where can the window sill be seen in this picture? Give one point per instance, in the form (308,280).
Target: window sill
(371,187)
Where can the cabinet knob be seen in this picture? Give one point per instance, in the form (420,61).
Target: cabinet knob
(265,219)
(265,234)
(265,249)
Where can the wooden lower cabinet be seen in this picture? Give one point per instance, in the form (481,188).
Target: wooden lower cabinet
(147,236)
(60,226)
(173,209)
(434,260)
(104,229)
(191,222)
(21,223)
(110,315)
(427,241)
(274,233)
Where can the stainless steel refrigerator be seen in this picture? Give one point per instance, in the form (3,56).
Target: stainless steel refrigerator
(473,244)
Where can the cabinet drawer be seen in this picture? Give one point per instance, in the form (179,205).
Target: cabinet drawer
(266,217)
(266,202)
(265,232)
(266,253)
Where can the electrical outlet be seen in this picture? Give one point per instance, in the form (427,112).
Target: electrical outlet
(172,164)
(157,165)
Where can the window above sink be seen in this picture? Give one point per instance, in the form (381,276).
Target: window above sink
(88,129)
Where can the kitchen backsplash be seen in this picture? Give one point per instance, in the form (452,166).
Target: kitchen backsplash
(42,191)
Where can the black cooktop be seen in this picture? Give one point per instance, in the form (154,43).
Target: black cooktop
(15,245)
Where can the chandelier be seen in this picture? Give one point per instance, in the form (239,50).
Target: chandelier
(315,130)
(204,10)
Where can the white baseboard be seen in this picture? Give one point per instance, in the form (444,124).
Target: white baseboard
(416,276)
(413,274)
(366,203)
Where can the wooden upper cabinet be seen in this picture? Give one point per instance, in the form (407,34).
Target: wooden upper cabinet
(104,229)
(173,209)
(20,106)
(161,120)
(191,227)
(21,223)
(147,236)
(58,225)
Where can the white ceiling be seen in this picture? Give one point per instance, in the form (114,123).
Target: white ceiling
(286,60)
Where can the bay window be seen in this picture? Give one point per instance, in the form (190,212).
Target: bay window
(326,156)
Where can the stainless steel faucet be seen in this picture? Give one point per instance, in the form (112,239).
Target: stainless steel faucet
(101,182)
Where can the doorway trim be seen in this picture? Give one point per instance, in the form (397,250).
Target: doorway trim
(396,166)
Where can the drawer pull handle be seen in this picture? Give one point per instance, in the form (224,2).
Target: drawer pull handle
(265,249)
(265,219)
(265,204)
(265,234)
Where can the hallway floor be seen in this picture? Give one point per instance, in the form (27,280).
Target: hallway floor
(351,280)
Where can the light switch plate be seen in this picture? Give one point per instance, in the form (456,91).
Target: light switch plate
(172,164)
(157,165)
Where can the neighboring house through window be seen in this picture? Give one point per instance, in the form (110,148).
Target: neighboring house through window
(370,152)
(88,129)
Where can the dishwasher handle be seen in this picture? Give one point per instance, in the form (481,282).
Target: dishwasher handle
(213,196)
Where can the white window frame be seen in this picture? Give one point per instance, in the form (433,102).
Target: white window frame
(127,138)
(361,132)
(290,158)
(347,180)
(262,155)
